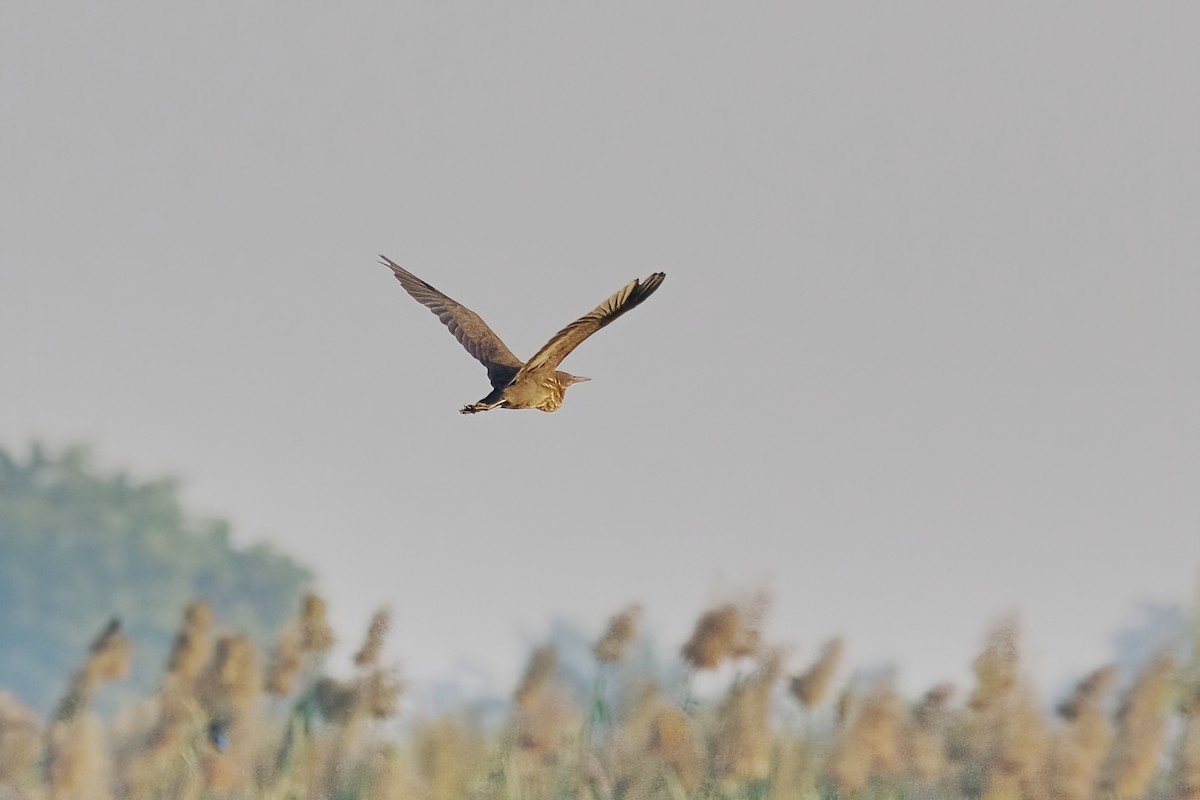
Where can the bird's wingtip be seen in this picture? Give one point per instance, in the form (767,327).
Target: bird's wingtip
(387,262)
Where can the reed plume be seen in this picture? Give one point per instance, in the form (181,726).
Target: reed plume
(539,673)
(157,760)
(727,632)
(108,658)
(20,746)
(545,727)
(368,655)
(316,635)
(925,740)
(621,631)
(653,743)
(673,744)
(812,686)
(741,745)
(1005,734)
(1141,730)
(546,714)
(1186,772)
(77,764)
(233,681)
(608,650)
(1187,760)
(1081,744)
(1088,694)
(869,743)
(301,643)
(192,647)
(228,691)
(382,690)
(372,695)
(997,668)
(287,662)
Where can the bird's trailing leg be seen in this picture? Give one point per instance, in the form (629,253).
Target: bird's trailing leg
(475,408)
(493,400)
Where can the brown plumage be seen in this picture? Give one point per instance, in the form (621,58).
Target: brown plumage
(537,383)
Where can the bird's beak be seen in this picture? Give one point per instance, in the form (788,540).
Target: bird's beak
(579,379)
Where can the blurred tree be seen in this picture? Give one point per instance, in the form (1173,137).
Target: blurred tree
(78,546)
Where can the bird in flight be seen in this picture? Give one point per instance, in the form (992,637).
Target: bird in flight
(536,383)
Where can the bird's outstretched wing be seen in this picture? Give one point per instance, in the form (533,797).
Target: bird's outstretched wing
(570,337)
(467,326)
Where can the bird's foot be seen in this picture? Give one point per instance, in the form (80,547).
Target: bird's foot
(474,408)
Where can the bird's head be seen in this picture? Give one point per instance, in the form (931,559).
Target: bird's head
(565,379)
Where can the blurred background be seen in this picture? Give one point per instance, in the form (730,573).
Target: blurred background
(926,354)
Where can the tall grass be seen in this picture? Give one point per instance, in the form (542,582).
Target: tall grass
(229,722)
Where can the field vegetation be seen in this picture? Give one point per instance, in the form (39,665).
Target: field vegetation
(228,721)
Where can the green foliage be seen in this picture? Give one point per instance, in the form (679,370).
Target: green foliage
(78,546)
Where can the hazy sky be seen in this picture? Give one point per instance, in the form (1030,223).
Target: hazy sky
(927,351)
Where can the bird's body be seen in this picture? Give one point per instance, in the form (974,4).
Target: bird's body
(537,383)
(543,392)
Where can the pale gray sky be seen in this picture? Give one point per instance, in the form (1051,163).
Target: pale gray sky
(927,350)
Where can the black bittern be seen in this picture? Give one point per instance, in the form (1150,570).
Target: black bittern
(536,383)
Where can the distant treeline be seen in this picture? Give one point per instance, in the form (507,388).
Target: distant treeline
(79,545)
